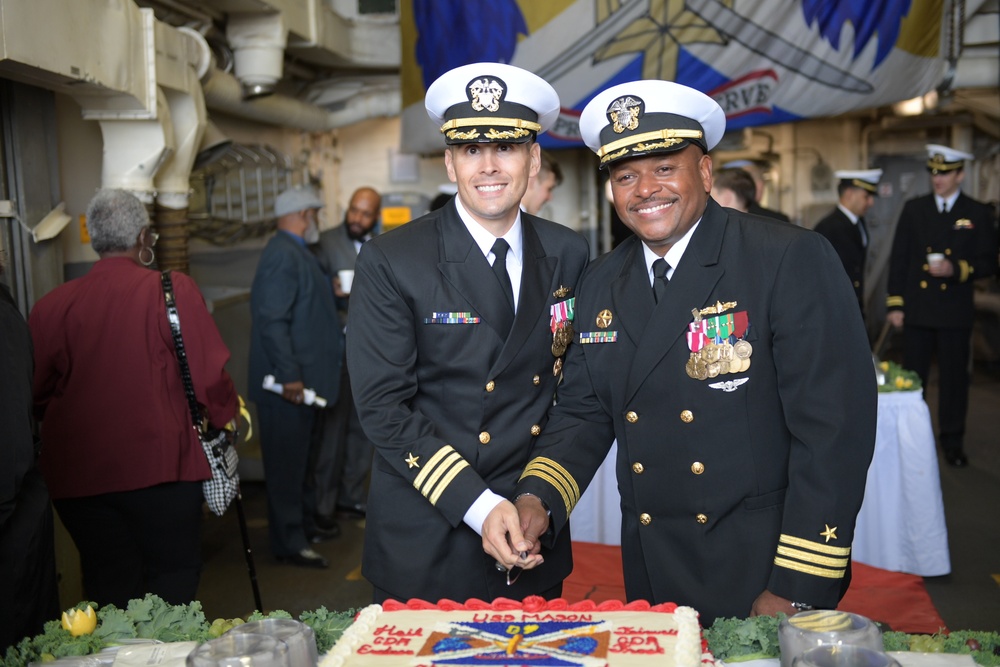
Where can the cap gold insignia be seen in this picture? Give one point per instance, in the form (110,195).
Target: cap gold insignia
(938,159)
(413,461)
(624,114)
(485,94)
(604,319)
(561,292)
(829,533)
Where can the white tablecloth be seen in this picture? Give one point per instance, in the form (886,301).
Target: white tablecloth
(901,525)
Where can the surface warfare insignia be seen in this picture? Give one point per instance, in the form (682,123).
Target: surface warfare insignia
(728,385)
(718,344)
(485,93)
(624,113)
(561,292)
(561,324)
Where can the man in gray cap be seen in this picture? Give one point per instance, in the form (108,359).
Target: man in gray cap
(943,242)
(845,228)
(459,322)
(726,354)
(295,337)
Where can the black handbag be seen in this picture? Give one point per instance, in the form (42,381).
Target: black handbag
(220,490)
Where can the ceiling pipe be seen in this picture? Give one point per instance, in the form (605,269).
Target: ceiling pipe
(223,92)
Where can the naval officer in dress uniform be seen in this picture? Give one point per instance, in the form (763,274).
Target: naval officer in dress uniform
(726,354)
(845,226)
(459,322)
(943,242)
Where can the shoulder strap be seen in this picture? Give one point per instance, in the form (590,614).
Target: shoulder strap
(182,361)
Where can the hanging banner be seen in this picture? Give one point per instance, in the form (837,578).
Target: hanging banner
(764,61)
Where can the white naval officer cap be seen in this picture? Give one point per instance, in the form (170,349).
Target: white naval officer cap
(943,158)
(491,102)
(866,179)
(293,200)
(646,117)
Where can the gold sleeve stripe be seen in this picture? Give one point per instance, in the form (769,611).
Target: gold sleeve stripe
(572,487)
(809,569)
(812,558)
(541,474)
(814,546)
(894,302)
(459,467)
(431,464)
(964,270)
(452,459)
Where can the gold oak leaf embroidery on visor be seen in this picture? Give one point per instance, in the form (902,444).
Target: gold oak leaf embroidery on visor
(815,558)
(557,476)
(439,472)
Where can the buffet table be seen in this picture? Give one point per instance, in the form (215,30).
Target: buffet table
(901,524)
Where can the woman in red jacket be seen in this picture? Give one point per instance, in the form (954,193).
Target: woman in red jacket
(123,464)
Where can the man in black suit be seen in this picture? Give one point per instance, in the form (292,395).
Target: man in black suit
(459,322)
(845,227)
(726,354)
(295,337)
(943,242)
(757,174)
(345,455)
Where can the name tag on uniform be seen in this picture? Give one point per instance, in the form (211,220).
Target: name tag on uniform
(465,317)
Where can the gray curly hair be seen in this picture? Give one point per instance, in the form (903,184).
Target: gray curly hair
(114,220)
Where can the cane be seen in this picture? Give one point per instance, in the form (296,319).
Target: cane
(247,550)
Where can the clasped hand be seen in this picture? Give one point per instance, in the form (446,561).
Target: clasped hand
(510,531)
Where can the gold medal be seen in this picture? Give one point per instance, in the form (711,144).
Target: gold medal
(713,369)
(711,352)
(723,366)
(742,349)
(557,367)
(726,352)
(561,339)
(691,367)
(744,364)
(702,370)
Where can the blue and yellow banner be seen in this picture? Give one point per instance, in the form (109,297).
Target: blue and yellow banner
(764,61)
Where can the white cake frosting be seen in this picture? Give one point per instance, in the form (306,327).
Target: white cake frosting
(508,633)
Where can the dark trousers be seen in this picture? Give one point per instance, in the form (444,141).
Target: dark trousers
(344,454)
(952,347)
(28,585)
(137,542)
(285,438)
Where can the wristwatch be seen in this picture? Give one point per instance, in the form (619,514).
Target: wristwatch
(802,606)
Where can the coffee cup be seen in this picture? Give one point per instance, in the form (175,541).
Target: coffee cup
(346,277)
(935,258)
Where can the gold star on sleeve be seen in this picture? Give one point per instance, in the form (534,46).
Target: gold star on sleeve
(829,533)
(413,461)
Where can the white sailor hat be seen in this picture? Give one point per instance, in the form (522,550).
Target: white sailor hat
(491,102)
(647,117)
(866,179)
(942,158)
(739,164)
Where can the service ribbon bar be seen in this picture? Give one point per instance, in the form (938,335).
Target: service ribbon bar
(452,318)
(598,337)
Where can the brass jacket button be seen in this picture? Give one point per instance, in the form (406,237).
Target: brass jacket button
(645,519)
(637,468)
(923,284)
(687,416)
(536,429)
(701,518)
(944,286)
(484,437)
(491,385)
(631,417)
(697,467)
(536,380)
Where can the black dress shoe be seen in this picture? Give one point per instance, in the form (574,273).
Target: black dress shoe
(355,511)
(304,558)
(956,458)
(326,522)
(329,532)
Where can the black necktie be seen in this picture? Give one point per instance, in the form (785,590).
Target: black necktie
(660,268)
(500,248)
(863,230)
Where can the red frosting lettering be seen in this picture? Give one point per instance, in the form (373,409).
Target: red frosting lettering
(389,641)
(368,649)
(637,645)
(397,632)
